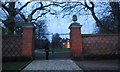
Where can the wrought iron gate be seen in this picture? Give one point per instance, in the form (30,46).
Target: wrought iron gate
(59,46)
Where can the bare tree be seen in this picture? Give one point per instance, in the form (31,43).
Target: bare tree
(115,6)
(69,8)
(104,27)
(88,8)
(12,11)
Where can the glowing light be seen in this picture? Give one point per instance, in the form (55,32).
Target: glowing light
(67,45)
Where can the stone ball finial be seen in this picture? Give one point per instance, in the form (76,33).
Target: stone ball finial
(74,18)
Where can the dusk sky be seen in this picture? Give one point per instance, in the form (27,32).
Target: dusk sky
(58,24)
(61,25)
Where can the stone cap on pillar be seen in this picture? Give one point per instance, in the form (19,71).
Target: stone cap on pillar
(28,25)
(77,25)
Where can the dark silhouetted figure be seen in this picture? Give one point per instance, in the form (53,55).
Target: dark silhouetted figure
(46,47)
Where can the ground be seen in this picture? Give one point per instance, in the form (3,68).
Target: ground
(85,65)
(99,65)
(62,60)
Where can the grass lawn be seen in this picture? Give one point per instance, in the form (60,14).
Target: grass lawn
(61,49)
(13,65)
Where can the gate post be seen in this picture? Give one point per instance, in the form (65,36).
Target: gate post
(75,38)
(27,40)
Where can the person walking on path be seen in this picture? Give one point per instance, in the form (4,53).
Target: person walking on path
(46,47)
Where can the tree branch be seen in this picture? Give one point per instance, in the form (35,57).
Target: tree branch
(99,24)
(26,20)
(43,7)
(24,6)
(41,15)
(5,12)
(5,7)
(39,8)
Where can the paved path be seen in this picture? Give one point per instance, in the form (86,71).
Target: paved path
(52,66)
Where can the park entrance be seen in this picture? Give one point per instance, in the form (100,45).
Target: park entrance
(58,44)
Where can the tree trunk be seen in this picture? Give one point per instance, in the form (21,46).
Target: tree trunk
(116,12)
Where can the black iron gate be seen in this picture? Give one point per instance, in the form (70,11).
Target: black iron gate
(59,46)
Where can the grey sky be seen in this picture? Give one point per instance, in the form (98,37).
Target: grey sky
(58,24)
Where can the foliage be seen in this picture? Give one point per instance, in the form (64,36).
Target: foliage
(40,28)
(56,41)
(40,31)
(110,23)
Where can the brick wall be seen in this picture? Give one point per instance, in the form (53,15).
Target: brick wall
(16,46)
(11,46)
(104,44)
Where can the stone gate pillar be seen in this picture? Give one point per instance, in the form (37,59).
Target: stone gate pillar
(75,38)
(27,40)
